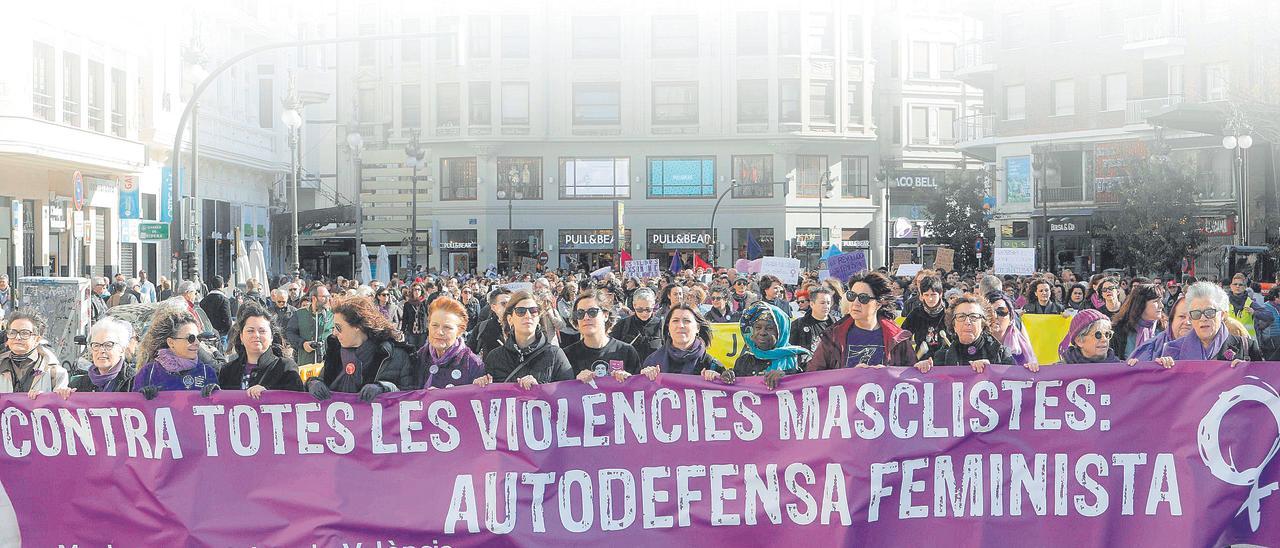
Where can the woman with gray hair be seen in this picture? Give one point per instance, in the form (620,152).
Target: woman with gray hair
(108,345)
(1209,339)
(642,329)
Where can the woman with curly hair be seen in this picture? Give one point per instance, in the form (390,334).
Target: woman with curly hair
(867,336)
(969,320)
(364,347)
(169,354)
(259,363)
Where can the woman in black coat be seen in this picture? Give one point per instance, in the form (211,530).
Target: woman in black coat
(364,347)
(526,357)
(110,371)
(259,363)
(969,320)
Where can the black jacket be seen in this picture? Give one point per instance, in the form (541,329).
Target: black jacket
(413,317)
(646,337)
(1033,307)
(122,383)
(929,331)
(806,331)
(390,358)
(273,372)
(716,316)
(985,348)
(749,365)
(218,308)
(486,337)
(545,361)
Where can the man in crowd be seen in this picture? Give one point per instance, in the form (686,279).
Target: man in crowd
(280,308)
(488,335)
(6,296)
(146,288)
(217,305)
(97,303)
(310,327)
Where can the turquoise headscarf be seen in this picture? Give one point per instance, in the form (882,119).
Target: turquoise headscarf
(782,356)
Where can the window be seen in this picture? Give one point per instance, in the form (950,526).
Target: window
(675,36)
(789,101)
(822,102)
(368,52)
(1064,97)
(854,104)
(520,178)
(809,171)
(515,103)
(266,97)
(368,104)
(71,89)
(675,102)
(682,177)
(457,179)
(445,45)
(1114,91)
(1176,86)
(1059,23)
(410,106)
(919,59)
(853,32)
(597,104)
(753,33)
(1011,31)
(946,126)
(754,175)
(596,37)
(946,61)
(515,36)
(42,81)
(478,36)
(821,38)
(789,33)
(448,105)
(853,172)
(96,101)
(1217,79)
(410,50)
(893,58)
(595,177)
(1015,102)
(897,125)
(479,105)
(119,98)
(919,126)
(753,101)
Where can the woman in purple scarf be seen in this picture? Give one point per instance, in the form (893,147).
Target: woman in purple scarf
(168,354)
(686,336)
(1138,321)
(444,361)
(1209,339)
(1179,326)
(108,343)
(1008,329)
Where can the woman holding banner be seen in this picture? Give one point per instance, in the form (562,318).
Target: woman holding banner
(686,336)
(1088,339)
(363,348)
(1179,326)
(867,336)
(527,356)
(169,356)
(927,319)
(444,361)
(259,363)
(1010,331)
(108,344)
(28,366)
(596,354)
(1210,338)
(766,332)
(968,319)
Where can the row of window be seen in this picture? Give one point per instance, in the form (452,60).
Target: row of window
(520,178)
(73,93)
(599,37)
(1114,90)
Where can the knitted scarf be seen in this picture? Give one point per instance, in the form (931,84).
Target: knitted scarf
(173,363)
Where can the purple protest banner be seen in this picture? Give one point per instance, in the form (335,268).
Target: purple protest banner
(844,265)
(1079,455)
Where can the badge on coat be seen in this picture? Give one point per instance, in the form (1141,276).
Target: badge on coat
(350,369)
(456,374)
(601,368)
(188,381)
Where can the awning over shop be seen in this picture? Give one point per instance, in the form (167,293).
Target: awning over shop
(315,218)
(1208,118)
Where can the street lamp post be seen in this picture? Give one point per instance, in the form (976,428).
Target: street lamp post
(733,183)
(1237,138)
(292,119)
(415,156)
(355,143)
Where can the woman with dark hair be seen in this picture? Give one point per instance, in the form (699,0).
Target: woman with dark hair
(685,338)
(969,319)
(259,363)
(927,319)
(1008,328)
(1179,326)
(444,361)
(363,348)
(719,311)
(413,316)
(1077,296)
(672,294)
(170,356)
(766,331)
(526,356)
(1106,296)
(867,336)
(25,366)
(389,309)
(1041,298)
(596,354)
(1137,321)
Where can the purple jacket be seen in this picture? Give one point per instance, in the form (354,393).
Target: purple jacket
(153,374)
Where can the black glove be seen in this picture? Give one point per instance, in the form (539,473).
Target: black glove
(149,392)
(371,391)
(318,389)
(209,389)
(728,376)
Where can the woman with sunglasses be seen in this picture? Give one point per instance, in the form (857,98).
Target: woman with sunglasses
(1106,298)
(170,356)
(363,350)
(1138,321)
(686,336)
(27,366)
(259,363)
(718,311)
(642,329)
(413,316)
(1088,339)
(109,372)
(1210,338)
(389,309)
(527,356)
(1245,308)
(1007,328)
(444,361)
(596,354)
(968,320)
(867,336)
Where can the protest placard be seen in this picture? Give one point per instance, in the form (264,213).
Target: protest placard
(785,268)
(844,265)
(1013,260)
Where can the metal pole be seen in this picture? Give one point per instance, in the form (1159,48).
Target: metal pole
(293,172)
(359,209)
(413,237)
(511,242)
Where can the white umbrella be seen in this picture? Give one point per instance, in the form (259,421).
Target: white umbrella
(258,263)
(384,265)
(243,273)
(365,273)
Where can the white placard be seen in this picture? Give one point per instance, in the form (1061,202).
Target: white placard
(1017,261)
(516,287)
(642,268)
(908,270)
(786,269)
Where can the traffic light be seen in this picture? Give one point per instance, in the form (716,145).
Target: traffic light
(189,269)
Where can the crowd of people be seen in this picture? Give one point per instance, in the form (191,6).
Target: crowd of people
(440,331)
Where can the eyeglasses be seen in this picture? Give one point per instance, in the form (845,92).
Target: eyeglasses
(581,313)
(21,335)
(528,310)
(191,339)
(1099,335)
(717,297)
(802,301)
(108,346)
(860,297)
(1002,312)
(971,318)
(1107,288)
(1207,313)
(642,310)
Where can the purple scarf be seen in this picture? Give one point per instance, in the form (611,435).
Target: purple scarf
(172,363)
(683,361)
(1144,332)
(1189,346)
(437,359)
(101,380)
(1097,301)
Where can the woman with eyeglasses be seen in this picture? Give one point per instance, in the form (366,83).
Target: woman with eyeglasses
(718,311)
(169,354)
(526,356)
(1210,338)
(363,349)
(26,366)
(444,361)
(259,363)
(1088,339)
(597,354)
(1139,320)
(642,329)
(968,319)
(685,338)
(1106,298)
(867,336)
(109,372)
(1009,330)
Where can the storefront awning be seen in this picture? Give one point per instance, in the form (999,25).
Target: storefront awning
(315,218)
(1208,118)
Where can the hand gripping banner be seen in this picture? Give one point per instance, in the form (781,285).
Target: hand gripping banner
(1075,455)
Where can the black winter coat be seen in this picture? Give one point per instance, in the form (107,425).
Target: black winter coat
(122,383)
(985,348)
(545,361)
(390,358)
(273,372)
(646,337)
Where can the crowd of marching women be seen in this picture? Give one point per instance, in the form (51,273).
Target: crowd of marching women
(440,331)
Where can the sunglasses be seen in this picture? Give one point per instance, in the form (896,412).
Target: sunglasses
(1002,312)
(1099,335)
(717,297)
(860,297)
(1207,313)
(581,313)
(642,310)
(1107,288)
(528,310)
(802,301)
(191,339)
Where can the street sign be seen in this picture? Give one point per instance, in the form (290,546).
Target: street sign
(78,181)
(153,231)
(543,258)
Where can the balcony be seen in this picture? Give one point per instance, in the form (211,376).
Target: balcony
(1062,195)
(975,60)
(1156,36)
(975,134)
(1137,111)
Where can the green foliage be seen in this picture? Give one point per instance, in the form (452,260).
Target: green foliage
(1154,222)
(956,216)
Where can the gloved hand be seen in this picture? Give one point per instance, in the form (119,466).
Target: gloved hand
(371,391)
(209,389)
(318,389)
(728,377)
(149,392)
